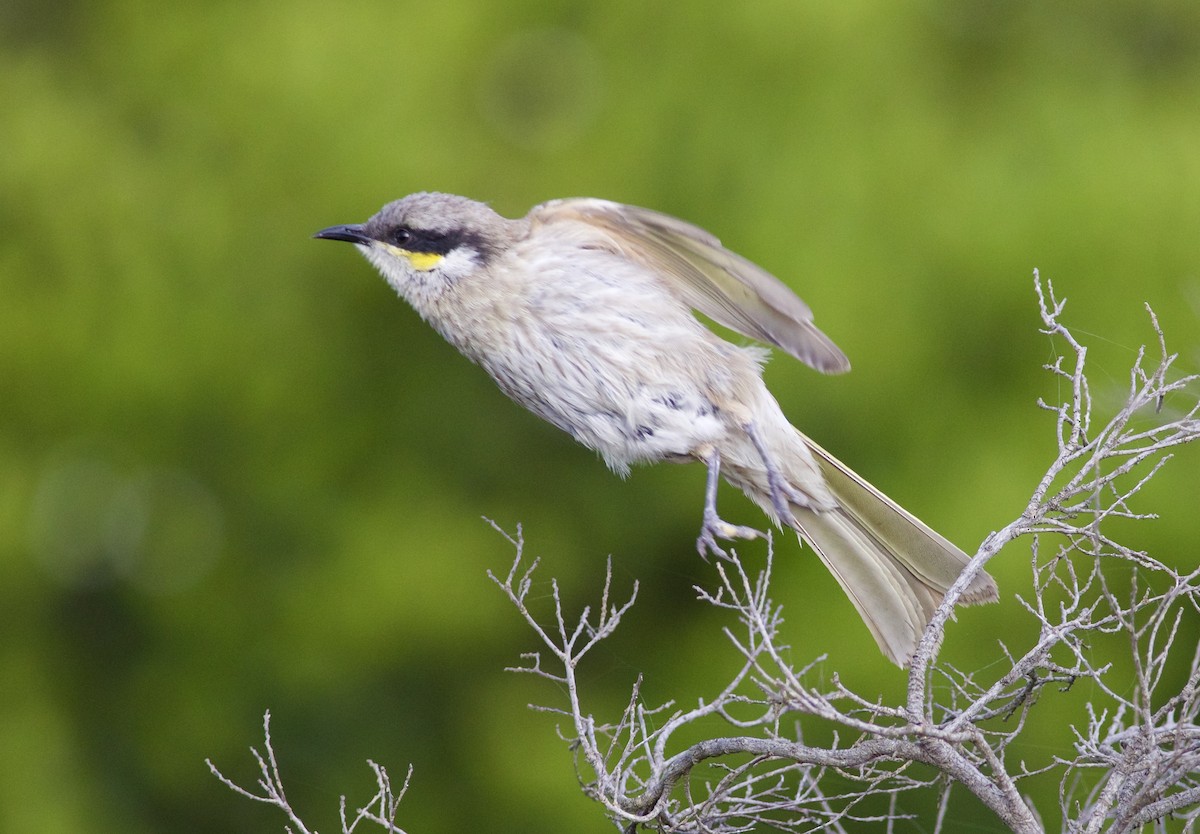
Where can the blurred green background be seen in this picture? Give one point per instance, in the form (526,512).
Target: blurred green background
(236,473)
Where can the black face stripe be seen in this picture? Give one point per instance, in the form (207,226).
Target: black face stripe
(433,242)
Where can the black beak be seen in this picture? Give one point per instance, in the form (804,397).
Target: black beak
(353,234)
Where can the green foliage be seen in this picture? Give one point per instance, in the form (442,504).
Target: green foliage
(236,473)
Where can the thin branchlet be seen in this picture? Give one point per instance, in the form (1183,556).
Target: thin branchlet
(962,726)
(380,810)
(1107,618)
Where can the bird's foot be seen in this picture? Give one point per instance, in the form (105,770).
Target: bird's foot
(715,528)
(783,495)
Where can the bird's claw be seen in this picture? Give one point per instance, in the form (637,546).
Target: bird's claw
(783,495)
(714,528)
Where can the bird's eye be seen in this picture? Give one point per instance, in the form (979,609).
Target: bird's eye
(402,236)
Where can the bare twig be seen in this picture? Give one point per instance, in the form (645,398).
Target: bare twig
(1106,615)
(380,810)
(1133,763)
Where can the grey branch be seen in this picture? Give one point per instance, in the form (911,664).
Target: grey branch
(380,810)
(1134,762)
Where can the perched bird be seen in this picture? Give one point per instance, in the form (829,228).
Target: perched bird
(582,312)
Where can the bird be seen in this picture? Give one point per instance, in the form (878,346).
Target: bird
(583,312)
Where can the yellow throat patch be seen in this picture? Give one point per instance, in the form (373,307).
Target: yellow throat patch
(421,261)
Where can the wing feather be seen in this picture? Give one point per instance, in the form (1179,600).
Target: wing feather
(721,284)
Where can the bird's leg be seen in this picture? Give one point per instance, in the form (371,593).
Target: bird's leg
(782,493)
(714,527)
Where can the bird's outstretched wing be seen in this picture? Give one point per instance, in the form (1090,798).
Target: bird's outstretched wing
(708,277)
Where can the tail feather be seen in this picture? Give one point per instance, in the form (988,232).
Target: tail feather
(895,569)
(893,603)
(926,554)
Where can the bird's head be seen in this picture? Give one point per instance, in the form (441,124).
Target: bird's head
(425,241)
